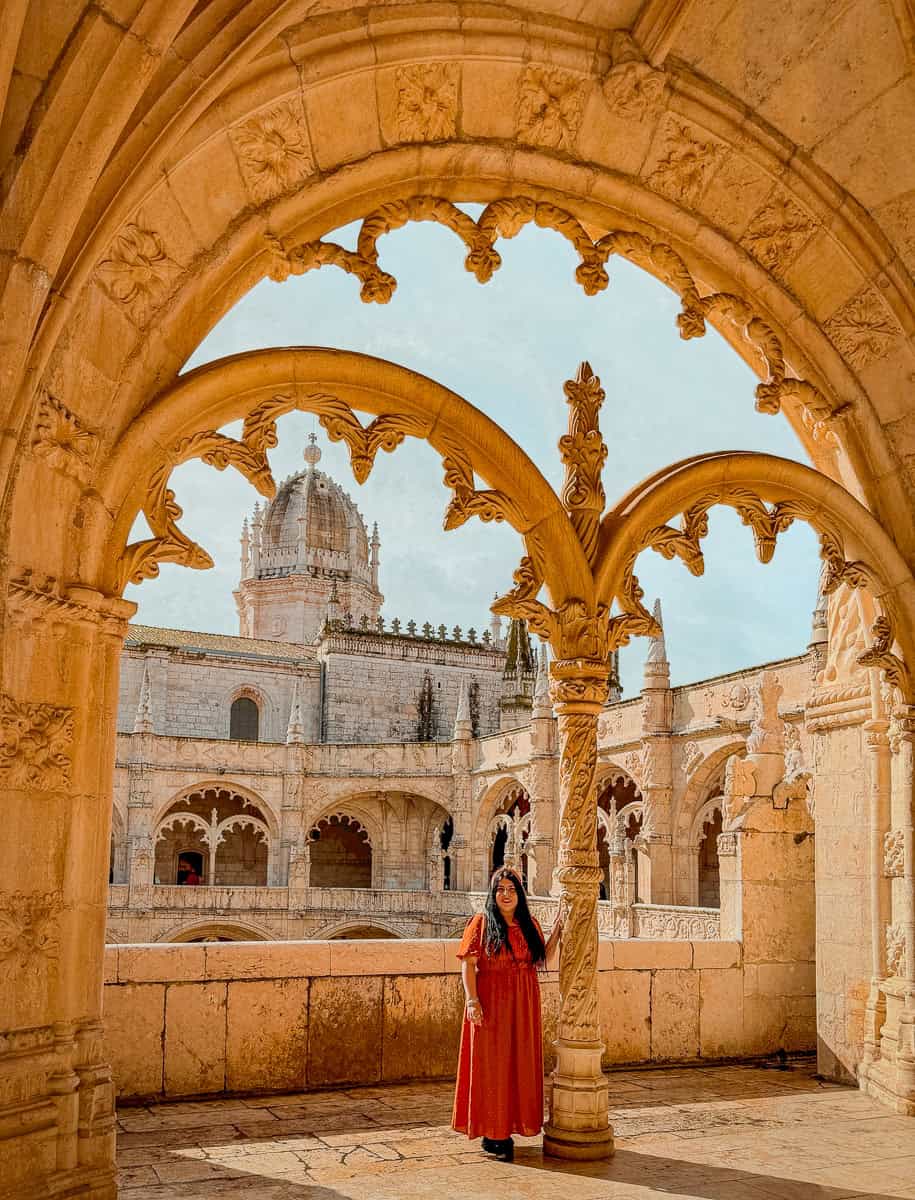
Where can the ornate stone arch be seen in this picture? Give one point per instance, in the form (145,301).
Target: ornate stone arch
(336,928)
(214,927)
(703,778)
(249,797)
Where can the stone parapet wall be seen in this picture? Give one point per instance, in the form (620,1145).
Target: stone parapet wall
(292,1016)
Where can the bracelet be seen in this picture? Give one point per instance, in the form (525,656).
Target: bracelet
(472,1003)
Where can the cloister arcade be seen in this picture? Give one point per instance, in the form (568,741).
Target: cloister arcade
(783,220)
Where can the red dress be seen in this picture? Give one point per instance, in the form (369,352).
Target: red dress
(499,1087)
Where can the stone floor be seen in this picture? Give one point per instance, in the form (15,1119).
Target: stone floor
(734,1132)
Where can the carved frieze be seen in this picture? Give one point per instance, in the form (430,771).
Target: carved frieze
(686,163)
(28,930)
(61,439)
(893,854)
(35,745)
(138,273)
(863,329)
(273,151)
(551,103)
(778,233)
(427,97)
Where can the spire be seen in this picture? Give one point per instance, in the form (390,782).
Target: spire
(519,655)
(657,650)
(495,627)
(542,706)
(375,545)
(463,725)
(245,549)
(143,722)
(295,730)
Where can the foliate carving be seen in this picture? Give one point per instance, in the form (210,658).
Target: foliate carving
(778,233)
(895,950)
(550,107)
(767,731)
(634,762)
(273,151)
(740,788)
(427,95)
(692,757)
(505,218)
(28,930)
(138,273)
(584,453)
(863,329)
(880,655)
(893,853)
(737,698)
(686,165)
(467,501)
(35,742)
(632,88)
(383,433)
(141,560)
(676,925)
(61,439)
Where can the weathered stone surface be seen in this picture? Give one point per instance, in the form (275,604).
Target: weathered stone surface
(195,1038)
(267,1035)
(422,1023)
(134,1027)
(674,1014)
(356,1005)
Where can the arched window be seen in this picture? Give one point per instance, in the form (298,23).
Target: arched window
(244,719)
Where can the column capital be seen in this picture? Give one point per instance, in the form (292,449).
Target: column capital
(579,685)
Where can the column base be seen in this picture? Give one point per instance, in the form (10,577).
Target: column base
(578,1127)
(579,1144)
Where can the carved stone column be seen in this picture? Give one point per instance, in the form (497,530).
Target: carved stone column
(879,761)
(578,1127)
(58,701)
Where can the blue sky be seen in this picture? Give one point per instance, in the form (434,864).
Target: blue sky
(507,347)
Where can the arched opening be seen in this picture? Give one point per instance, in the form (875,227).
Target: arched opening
(509,833)
(341,853)
(244,720)
(215,836)
(709,890)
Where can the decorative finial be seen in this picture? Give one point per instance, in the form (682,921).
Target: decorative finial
(657,647)
(312,452)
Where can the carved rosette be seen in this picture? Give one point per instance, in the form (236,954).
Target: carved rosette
(35,741)
(138,273)
(578,690)
(61,439)
(551,103)
(273,151)
(685,164)
(28,931)
(427,95)
(863,329)
(778,233)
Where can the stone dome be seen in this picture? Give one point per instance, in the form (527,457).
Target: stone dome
(311,522)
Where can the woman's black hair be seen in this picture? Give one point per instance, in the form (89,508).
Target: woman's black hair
(495,928)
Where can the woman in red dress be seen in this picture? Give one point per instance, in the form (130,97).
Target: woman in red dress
(500,1069)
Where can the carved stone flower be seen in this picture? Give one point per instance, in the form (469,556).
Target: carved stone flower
(633,90)
(550,107)
(427,101)
(274,151)
(138,273)
(27,929)
(35,745)
(778,232)
(686,164)
(62,440)
(863,329)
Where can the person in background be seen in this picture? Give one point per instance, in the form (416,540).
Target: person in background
(499,1088)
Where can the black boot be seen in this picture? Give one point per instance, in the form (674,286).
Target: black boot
(491,1145)
(506,1150)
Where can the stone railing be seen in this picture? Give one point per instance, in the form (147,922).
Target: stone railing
(669,922)
(403,910)
(183,1020)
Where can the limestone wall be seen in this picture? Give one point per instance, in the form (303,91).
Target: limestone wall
(191,693)
(290,1016)
(373,683)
